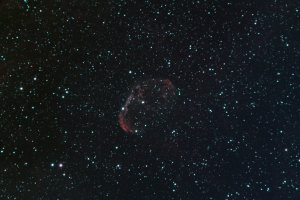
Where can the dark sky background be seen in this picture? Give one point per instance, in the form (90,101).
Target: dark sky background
(66,70)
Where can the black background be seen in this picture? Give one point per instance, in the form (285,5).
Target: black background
(66,69)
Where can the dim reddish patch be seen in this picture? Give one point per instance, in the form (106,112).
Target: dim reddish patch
(147,99)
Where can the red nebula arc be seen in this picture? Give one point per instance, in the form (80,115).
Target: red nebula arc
(147,101)
(124,123)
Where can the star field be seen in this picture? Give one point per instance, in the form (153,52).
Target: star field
(66,71)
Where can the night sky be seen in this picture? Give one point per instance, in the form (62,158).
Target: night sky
(68,67)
